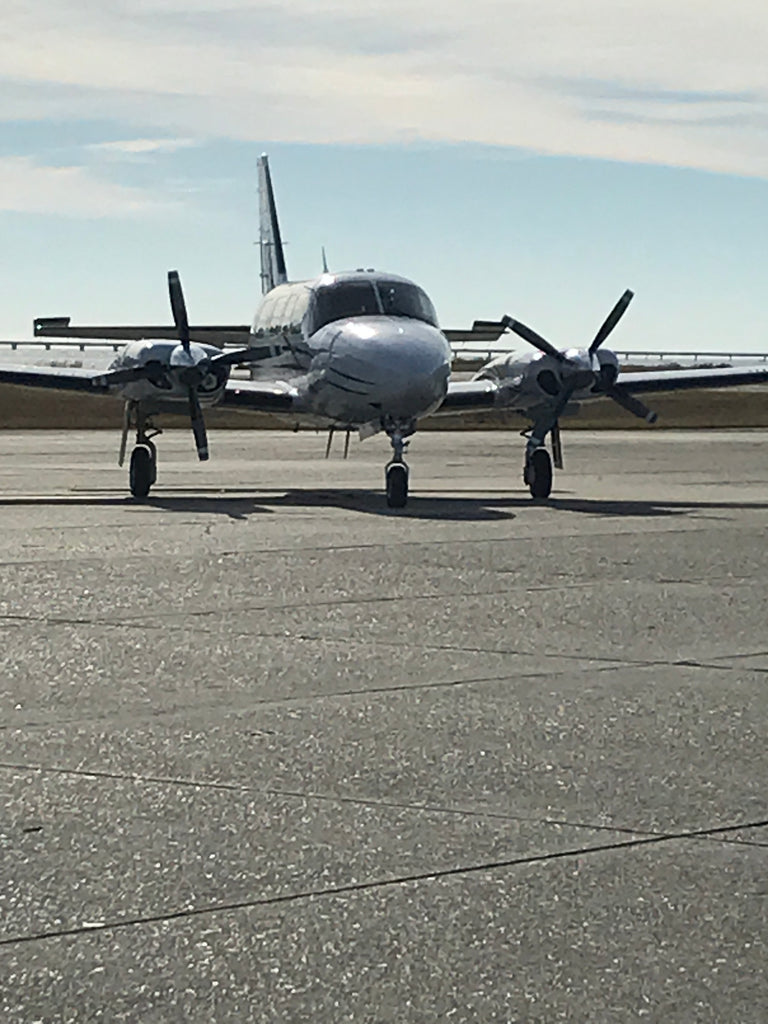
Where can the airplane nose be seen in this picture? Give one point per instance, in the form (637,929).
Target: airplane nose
(405,365)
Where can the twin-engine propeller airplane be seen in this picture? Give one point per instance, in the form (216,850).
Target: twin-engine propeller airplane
(351,351)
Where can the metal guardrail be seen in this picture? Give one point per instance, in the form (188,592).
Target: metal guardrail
(50,343)
(464,351)
(661,355)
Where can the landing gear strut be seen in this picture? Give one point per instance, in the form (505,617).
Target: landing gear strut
(142,473)
(397,471)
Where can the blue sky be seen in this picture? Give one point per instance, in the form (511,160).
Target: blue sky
(527,158)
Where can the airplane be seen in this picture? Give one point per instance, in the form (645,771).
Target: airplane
(360,350)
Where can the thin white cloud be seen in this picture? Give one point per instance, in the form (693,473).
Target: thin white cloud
(141,147)
(28,187)
(635,82)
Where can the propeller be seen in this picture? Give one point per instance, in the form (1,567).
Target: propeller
(192,372)
(571,381)
(575,374)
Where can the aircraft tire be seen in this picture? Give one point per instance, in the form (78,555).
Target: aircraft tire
(153,453)
(540,474)
(397,485)
(142,471)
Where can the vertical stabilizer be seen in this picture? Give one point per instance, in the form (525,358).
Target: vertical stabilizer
(270,242)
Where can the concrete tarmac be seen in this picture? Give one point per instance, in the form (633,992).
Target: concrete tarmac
(273,752)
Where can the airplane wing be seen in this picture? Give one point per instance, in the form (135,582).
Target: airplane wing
(258,396)
(58,377)
(481,331)
(478,395)
(676,380)
(207,334)
(471,396)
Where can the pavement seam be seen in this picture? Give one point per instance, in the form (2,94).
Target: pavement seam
(237,787)
(354,888)
(400,645)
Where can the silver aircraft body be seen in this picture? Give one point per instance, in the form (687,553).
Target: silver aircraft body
(360,350)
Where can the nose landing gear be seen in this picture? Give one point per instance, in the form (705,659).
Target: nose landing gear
(397,484)
(396,472)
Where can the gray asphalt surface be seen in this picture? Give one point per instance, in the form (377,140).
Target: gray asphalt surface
(272,752)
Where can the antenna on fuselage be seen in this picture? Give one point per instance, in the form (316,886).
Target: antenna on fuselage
(273,270)
(325,261)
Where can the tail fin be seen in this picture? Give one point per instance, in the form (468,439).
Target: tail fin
(270,243)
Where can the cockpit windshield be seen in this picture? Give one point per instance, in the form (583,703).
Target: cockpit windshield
(400,298)
(343,299)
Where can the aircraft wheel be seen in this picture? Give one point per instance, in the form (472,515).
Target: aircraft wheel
(397,485)
(539,473)
(142,472)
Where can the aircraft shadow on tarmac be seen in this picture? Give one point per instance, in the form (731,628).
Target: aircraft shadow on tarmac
(368,502)
(438,507)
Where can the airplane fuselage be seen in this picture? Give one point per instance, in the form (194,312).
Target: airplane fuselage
(360,348)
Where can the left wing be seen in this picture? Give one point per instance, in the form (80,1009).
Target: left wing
(478,395)
(679,380)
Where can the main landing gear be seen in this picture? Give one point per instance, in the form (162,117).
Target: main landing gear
(142,472)
(396,472)
(537,471)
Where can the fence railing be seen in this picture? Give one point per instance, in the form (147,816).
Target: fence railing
(660,355)
(463,351)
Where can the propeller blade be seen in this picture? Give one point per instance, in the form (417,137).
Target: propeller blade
(198,425)
(611,320)
(529,335)
(562,400)
(179,308)
(630,403)
(543,427)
